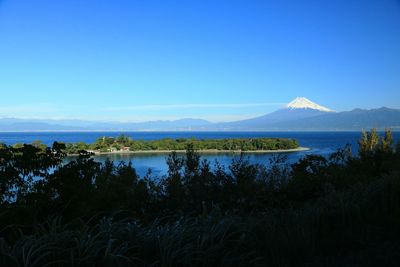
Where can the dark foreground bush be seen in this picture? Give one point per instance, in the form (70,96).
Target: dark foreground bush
(336,211)
(358,227)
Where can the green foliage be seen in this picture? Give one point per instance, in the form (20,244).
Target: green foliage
(335,211)
(23,167)
(387,141)
(369,142)
(108,144)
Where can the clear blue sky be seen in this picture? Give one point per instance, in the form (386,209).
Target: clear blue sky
(219,60)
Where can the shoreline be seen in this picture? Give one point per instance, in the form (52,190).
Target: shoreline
(208,151)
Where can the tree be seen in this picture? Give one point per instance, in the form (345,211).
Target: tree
(398,147)
(173,183)
(363,143)
(369,142)
(38,144)
(373,140)
(123,140)
(192,162)
(387,142)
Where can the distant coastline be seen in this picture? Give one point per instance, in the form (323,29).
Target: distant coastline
(297,116)
(394,129)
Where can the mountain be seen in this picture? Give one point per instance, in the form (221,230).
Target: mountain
(12,124)
(301,114)
(296,117)
(160,125)
(299,108)
(302,103)
(8,125)
(355,120)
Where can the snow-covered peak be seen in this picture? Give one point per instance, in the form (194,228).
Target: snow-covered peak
(304,103)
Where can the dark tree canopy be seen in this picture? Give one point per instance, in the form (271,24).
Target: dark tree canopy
(342,208)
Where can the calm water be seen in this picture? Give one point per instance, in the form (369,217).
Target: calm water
(322,143)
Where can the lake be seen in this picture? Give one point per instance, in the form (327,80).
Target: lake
(322,143)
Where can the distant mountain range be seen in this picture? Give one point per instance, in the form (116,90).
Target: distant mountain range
(78,125)
(303,115)
(299,115)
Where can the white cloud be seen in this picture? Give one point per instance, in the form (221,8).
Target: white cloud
(212,118)
(189,106)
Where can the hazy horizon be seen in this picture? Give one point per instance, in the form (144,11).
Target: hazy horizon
(213,119)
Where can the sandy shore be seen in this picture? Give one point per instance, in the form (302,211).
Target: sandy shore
(208,151)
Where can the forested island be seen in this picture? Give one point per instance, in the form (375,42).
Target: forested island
(336,210)
(125,144)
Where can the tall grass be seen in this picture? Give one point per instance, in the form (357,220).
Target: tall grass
(356,227)
(339,210)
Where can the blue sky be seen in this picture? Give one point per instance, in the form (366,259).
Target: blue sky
(217,60)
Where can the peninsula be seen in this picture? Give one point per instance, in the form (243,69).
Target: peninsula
(125,144)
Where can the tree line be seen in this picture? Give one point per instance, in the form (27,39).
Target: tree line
(333,210)
(123,142)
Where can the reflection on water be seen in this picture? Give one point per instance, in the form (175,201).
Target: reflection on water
(157,162)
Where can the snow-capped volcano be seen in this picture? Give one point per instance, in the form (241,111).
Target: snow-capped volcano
(300,108)
(304,103)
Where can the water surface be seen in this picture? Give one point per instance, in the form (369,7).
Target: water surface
(322,143)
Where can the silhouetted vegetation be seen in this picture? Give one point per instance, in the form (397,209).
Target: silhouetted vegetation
(341,210)
(122,142)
